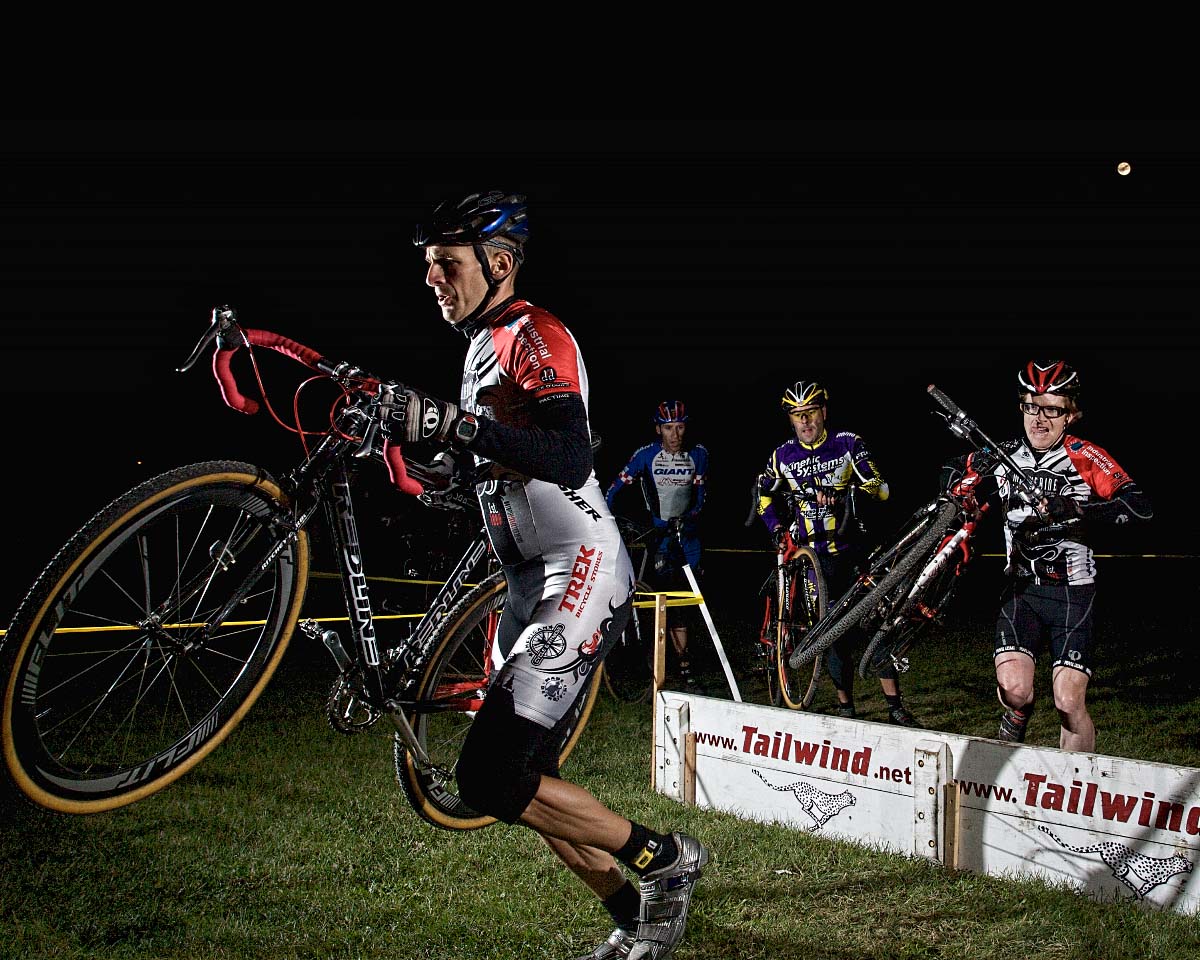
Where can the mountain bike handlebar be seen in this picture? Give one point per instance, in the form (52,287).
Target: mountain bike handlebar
(967,429)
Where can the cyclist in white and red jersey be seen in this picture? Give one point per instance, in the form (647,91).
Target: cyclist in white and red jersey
(1047,600)
(523,415)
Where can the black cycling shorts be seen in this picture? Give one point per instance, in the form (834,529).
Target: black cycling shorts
(1033,615)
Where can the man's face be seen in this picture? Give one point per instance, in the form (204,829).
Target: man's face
(1043,430)
(456,278)
(672,435)
(809,422)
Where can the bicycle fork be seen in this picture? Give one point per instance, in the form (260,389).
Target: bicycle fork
(955,544)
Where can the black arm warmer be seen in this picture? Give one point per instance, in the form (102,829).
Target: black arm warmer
(1128,503)
(557,448)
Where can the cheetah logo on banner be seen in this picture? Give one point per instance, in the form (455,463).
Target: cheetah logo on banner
(1138,872)
(821,806)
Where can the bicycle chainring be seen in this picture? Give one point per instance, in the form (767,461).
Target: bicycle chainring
(348,713)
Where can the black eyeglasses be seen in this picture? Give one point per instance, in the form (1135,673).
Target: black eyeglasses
(1050,413)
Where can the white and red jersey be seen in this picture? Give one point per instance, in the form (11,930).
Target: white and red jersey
(567,567)
(1076,469)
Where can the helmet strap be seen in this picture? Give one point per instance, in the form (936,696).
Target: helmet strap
(470,323)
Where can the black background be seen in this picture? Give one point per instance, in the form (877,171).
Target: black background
(718,279)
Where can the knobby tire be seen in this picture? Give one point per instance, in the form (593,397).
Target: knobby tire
(890,643)
(114,684)
(798,686)
(883,594)
(452,688)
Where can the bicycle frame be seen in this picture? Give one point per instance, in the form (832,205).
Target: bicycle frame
(339,506)
(323,480)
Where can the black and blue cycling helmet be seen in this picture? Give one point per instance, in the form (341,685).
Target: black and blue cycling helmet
(1056,379)
(494,218)
(803,393)
(478,220)
(670,411)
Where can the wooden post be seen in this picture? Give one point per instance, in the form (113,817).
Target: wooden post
(950,811)
(660,641)
(689,769)
(660,673)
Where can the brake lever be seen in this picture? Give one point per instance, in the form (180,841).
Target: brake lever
(385,403)
(222,327)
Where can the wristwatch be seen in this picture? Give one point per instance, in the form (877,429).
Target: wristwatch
(465,429)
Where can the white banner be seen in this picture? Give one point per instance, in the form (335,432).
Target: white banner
(1107,826)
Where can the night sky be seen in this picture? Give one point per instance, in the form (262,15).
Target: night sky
(718,279)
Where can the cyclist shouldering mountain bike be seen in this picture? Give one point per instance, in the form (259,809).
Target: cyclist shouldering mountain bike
(830,463)
(1047,599)
(672,477)
(523,416)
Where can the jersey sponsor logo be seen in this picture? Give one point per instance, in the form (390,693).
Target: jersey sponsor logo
(554,688)
(579,578)
(1099,458)
(673,471)
(579,501)
(547,643)
(534,346)
(548,375)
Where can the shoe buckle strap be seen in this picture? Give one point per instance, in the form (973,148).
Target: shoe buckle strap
(661,911)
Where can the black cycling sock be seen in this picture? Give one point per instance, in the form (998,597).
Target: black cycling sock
(893,700)
(623,907)
(644,851)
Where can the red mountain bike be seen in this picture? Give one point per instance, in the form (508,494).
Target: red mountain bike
(906,584)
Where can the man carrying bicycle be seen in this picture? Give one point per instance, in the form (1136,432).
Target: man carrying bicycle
(1048,597)
(672,478)
(523,417)
(828,463)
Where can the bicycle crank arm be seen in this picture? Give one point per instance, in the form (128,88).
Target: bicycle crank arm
(411,743)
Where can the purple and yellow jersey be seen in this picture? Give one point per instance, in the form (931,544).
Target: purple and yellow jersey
(835,461)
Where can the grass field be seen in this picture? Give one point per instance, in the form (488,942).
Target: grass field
(292,841)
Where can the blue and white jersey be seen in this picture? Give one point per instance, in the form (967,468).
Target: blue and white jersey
(672,484)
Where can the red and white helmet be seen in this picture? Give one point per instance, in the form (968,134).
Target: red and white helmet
(1057,379)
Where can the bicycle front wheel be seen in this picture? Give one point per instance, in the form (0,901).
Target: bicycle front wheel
(629,666)
(875,592)
(120,672)
(806,600)
(452,688)
(896,635)
(765,652)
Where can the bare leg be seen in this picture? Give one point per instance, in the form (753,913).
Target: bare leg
(1014,676)
(595,867)
(566,811)
(1070,700)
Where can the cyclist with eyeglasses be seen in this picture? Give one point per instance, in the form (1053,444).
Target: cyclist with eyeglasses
(522,418)
(830,462)
(1050,588)
(672,478)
